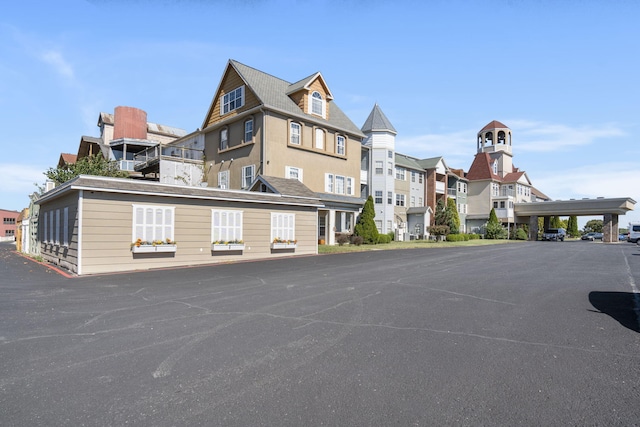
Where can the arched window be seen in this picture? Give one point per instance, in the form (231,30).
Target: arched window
(317,104)
(320,139)
(495,167)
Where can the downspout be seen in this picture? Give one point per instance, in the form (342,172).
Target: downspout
(79,248)
(263,148)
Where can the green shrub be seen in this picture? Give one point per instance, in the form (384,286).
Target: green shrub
(474,236)
(357,240)
(439,230)
(520,234)
(384,238)
(392,235)
(456,237)
(342,239)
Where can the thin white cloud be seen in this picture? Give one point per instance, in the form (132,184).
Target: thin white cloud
(546,137)
(59,64)
(457,147)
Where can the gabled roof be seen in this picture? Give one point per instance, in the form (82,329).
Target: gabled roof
(432,162)
(284,186)
(272,92)
(408,162)
(494,124)
(539,194)
(66,158)
(481,168)
(378,122)
(515,177)
(306,84)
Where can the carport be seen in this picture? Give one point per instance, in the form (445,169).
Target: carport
(609,208)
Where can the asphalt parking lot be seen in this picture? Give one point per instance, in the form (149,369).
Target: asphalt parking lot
(530,333)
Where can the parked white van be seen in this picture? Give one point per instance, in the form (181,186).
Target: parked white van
(634,232)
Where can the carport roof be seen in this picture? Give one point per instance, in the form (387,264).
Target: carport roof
(599,206)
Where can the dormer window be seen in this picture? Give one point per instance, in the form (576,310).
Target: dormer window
(318,105)
(232,100)
(495,167)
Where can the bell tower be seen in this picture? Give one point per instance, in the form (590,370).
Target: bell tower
(495,139)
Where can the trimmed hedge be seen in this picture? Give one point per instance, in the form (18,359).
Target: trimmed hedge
(384,238)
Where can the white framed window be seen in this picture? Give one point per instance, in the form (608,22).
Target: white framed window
(65,226)
(340,184)
(320,139)
(413,201)
(318,105)
(495,167)
(328,182)
(495,189)
(413,176)
(390,154)
(420,204)
(389,225)
(390,168)
(151,223)
(420,178)
(400,173)
(378,198)
(232,100)
(283,226)
(224,139)
(223,179)
(294,133)
(379,225)
(248,172)
(226,225)
(399,199)
(350,186)
(293,173)
(379,167)
(389,197)
(340,145)
(248,131)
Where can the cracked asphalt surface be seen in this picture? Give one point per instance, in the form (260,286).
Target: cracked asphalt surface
(529,333)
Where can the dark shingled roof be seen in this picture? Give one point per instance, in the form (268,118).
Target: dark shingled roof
(378,122)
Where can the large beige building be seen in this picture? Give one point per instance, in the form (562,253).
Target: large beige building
(258,124)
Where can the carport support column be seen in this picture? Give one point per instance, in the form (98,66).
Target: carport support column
(533,227)
(610,228)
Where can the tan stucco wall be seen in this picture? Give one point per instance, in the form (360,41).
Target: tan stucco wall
(107,232)
(479,198)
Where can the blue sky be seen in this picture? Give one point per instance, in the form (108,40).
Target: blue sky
(562,75)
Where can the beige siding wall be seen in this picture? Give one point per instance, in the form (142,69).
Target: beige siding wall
(313,161)
(57,252)
(239,154)
(479,197)
(108,222)
(231,81)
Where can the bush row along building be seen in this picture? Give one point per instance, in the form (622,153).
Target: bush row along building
(259,133)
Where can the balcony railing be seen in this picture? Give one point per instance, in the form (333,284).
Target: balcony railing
(154,153)
(440,187)
(127,165)
(452,192)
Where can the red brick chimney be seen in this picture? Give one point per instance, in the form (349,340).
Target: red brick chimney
(129,122)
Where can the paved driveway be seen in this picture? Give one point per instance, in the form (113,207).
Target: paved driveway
(533,333)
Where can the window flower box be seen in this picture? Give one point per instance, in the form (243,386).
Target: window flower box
(278,244)
(227,247)
(157,246)
(145,249)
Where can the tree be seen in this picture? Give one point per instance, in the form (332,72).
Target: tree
(594,225)
(91,165)
(494,228)
(454,220)
(442,216)
(366,226)
(572,226)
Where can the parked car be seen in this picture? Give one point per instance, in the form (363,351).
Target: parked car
(592,236)
(554,234)
(622,237)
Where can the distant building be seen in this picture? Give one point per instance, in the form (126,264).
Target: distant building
(8,225)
